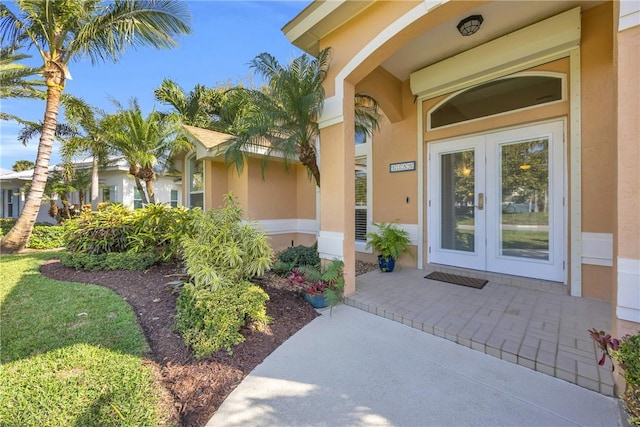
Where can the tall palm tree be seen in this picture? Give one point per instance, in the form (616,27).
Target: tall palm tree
(147,143)
(89,137)
(285,114)
(63,30)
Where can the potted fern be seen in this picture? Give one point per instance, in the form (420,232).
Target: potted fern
(390,241)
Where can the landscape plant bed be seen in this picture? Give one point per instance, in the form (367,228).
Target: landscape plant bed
(196,387)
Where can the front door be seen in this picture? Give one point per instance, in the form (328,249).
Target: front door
(496,202)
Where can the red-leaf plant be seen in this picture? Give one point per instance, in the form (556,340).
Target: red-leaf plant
(327,281)
(606,343)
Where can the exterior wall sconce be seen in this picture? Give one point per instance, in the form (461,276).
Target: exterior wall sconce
(470,25)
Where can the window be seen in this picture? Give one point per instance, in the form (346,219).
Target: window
(361,198)
(363,190)
(174,198)
(498,96)
(196,183)
(361,138)
(110,194)
(10,203)
(137,199)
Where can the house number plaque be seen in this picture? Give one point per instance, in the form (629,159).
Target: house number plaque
(402,167)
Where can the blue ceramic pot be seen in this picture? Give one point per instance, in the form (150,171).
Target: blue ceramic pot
(317,301)
(386,264)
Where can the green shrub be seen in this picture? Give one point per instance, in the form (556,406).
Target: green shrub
(626,352)
(101,231)
(221,252)
(6,224)
(47,236)
(44,235)
(137,261)
(221,244)
(210,320)
(158,227)
(114,228)
(296,256)
(628,355)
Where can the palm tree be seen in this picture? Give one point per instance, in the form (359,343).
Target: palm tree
(81,181)
(194,108)
(22,165)
(89,137)
(69,29)
(285,114)
(215,108)
(14,82)
(147,143)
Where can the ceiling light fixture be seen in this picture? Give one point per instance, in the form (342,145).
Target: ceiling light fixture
(470,25)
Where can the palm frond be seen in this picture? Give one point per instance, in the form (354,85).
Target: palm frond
(126,23)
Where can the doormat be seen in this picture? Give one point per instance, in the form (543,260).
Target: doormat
(457,280)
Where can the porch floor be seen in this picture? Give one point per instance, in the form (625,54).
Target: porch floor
(533,324)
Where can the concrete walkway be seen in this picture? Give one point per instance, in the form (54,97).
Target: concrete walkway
(531,323)
(354,368)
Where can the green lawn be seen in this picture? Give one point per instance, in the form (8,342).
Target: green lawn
(70,354)
(511,239)
(525,218)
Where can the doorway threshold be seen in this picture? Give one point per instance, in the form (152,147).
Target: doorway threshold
(502,279)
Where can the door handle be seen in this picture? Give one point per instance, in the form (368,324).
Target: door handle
(480,204)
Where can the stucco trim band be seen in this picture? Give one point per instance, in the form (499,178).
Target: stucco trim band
(628,290)
(287,226)
(597,249)
(331,245)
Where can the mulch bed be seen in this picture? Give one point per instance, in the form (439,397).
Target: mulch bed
(195,388)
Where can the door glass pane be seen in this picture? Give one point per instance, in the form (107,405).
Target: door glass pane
(456,204)
(524,218)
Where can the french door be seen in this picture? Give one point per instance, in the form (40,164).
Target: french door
(496,202)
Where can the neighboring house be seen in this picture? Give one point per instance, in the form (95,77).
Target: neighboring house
(513,150)
(116,185)
(283,203)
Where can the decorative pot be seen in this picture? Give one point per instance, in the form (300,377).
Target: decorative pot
(317,300)
(386,264)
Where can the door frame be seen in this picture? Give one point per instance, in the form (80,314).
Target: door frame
(487,144)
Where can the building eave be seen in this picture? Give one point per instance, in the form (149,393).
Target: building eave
(319,19)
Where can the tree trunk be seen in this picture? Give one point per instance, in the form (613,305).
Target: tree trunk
(150,191)
(95,183)
(66,212)
(307,156)
(143,194)
(148,175)
(17,238)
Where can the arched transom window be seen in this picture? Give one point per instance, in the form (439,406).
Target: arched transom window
(516,92)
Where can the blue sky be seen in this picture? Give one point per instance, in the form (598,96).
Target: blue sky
(225,36)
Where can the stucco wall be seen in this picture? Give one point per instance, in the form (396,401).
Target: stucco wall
(598,120)
(395,195)
(598,139)
(629,144)
(273,197)
(305,194)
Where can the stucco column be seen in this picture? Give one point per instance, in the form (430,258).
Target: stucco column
(337,185)
(627,247)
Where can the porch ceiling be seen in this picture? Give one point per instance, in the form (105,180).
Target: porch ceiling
(500,18)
